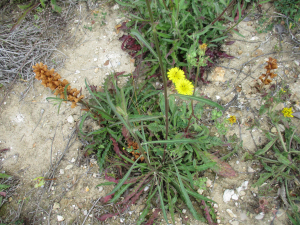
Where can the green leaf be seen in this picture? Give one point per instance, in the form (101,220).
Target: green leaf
(23,16)
(23,7)
(164,35)
(199,99)
(263,177)
(134,32)
(162,202)
(82,121)
(4,186)
(125,4)
(206,29)
(122,181)
(185,194)
(186,140)
(219,39)
(106,183)
(170,202)
(3,175)
(120,192)
(234,31)
(267,147)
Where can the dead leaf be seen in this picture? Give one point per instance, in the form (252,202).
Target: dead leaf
(106,63)
(118,28)
(238,89)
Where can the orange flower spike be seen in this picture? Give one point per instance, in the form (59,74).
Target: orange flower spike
(73,105)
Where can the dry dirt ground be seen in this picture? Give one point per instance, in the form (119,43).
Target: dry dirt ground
(42,142)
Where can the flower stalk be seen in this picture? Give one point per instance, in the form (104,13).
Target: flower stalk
(162,73)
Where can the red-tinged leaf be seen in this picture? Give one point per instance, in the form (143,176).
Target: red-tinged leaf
(206,210)
(136,197)
(106,216)
(221,168)
(109,178)
(108,197)
(125,133)
(134,190)
(112,179)
(116,147)
(229,42)
(4,149)
(153,217)
(3,194)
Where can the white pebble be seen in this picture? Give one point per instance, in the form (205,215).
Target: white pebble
(60,218)
(227,195)
(69,167)
(184,211)
(70,119)
(231,214)
(61,171)
(260,216)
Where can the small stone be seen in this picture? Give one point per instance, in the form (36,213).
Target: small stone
(85,212)
(122,220)
(240,52)
(230,213)
(73,160)
(95,59)
(242,193)
(70,119)
(87,189)
(200,191)
(280,212)
(100,189)
(274,130)
(260,216)
(77,71)
(116,7)
(216,206)
(243,187)
(60,218)
(52,188)
(184,211)
(281,127)
(56,205)
(94,175)
(235,197)
(258,52)
(208,183)
(235,222)
(69,167)
(218,221)
(120,20)
(76,21)
(227,195)
(250,170)
(96,70)
(297,62)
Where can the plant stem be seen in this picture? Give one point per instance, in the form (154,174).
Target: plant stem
(280,137)
(196,81)
(162,73)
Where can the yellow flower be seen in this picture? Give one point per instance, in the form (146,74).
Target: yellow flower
(232,119)
(287,112)
(184,87)
(203,47)
(282,90)
(175,74)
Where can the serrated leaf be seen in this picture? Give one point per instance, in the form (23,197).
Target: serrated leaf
(199,99)
(267,147)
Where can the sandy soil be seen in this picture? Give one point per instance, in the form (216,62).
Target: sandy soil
(42,142)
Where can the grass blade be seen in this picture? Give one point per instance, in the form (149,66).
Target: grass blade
(121,182)
(137,34)
(199,99)
(120,192)
(162,202)
(185,194)
(172,141)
